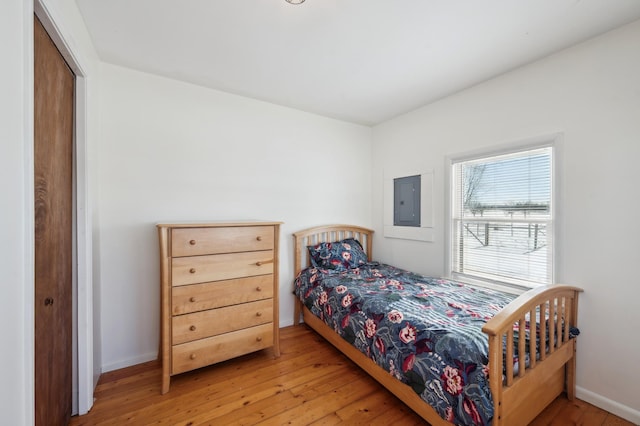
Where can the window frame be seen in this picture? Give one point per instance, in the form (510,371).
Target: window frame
(553,141)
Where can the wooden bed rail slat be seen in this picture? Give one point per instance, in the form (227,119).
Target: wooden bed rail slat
(509,358)
(543,332)
(495,384)
(560,316)
(567,314)
(533,331)
(552,329)
(522,354)
(571,366)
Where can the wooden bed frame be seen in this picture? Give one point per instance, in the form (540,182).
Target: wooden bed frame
(518,398)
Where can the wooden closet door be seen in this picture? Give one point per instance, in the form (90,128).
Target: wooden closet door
(53,185)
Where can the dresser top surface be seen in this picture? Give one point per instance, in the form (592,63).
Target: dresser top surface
(213,224)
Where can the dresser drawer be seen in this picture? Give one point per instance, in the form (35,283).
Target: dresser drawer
(199,241)
(199,297)
(199,353)
(217,267)
(186,328)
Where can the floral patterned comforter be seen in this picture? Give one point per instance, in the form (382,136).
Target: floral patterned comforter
(426,332)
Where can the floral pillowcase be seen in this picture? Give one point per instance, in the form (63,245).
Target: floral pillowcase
(340,256)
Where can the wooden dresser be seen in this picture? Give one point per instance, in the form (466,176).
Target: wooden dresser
(219,292)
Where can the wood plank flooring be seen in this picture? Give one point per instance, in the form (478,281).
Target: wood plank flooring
(311,383)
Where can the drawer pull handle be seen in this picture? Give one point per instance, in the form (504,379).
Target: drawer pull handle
(263,262)
(259,238)
(192,328)
(192,242)
(258,288)
(258,314)
(192,356)
(192,270)
(192,299)
(259,339)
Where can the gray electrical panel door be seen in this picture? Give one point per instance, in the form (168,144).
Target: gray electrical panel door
(406,201)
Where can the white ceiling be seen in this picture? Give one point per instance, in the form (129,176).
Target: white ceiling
(363,61)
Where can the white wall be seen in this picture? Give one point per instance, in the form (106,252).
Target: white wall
(15,251)
(590,93)
(171,151)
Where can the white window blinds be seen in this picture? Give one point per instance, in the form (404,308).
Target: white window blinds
(502,222)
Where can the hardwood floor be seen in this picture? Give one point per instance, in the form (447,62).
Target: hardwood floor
(311,383)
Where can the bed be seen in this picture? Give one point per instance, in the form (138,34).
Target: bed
(499,392)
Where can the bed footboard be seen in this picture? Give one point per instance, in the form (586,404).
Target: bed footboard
(522,391)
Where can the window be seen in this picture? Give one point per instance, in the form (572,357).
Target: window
(502,217)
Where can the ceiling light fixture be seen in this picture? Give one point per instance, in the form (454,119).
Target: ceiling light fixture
(295,1)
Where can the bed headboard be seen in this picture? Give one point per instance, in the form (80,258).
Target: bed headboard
(327,234)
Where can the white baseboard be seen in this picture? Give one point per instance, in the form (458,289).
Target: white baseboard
(614,407)
(129,362)
(286,323)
